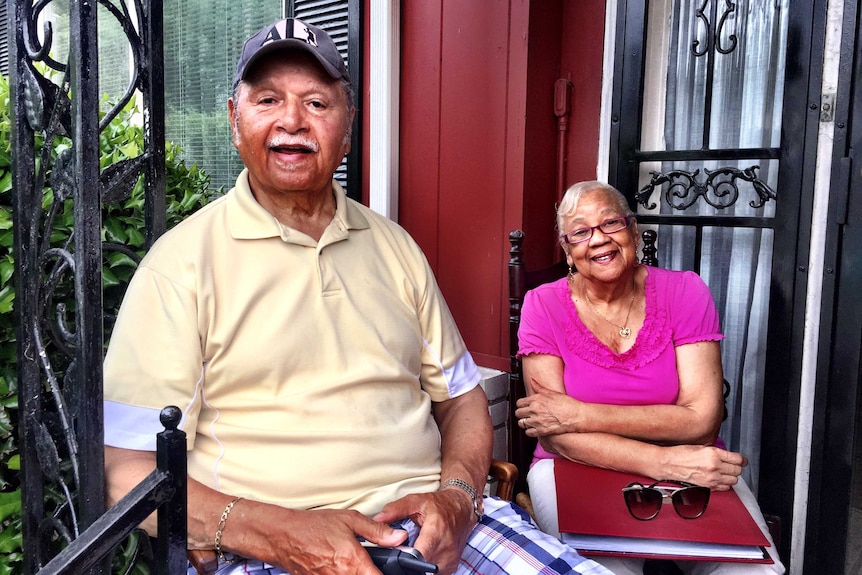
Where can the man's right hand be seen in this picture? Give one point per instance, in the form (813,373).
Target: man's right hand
(319,542)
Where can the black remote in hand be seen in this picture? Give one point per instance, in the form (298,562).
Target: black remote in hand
(399,560)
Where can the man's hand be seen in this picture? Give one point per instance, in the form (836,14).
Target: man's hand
(321,542)
(445,518)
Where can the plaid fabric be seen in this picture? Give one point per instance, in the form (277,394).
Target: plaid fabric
(505,542)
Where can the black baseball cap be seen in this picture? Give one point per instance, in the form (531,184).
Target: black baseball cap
(291,33)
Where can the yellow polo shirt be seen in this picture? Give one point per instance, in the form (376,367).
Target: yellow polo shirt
(305,370)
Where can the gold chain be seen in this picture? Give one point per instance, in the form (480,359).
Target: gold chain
(625,332)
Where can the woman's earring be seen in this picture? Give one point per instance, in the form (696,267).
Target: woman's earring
(571,274)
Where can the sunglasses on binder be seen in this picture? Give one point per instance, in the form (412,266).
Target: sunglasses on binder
(644,502)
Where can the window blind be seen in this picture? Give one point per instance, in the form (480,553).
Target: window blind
(4,40)
(202,42)
(341,20)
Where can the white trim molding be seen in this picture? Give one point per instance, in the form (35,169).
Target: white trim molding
(384,90)
(607,91)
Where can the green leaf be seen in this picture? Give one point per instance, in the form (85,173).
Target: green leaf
(108,277)
(11,541)
(7,298)
(130,149)
(114,231)
(120,259)
(7,268)
(10,504)
(136,237)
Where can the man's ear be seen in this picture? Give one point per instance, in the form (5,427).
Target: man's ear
(349,133)
(231,114)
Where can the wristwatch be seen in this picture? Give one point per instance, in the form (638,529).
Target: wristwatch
(478,501)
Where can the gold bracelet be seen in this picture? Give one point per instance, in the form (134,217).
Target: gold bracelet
(220,529)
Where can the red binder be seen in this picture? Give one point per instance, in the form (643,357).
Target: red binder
(594,520)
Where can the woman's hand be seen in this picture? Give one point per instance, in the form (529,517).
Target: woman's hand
(445,518)
(709,466)
(547,412)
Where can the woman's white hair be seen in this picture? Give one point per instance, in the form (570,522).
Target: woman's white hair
(569,203)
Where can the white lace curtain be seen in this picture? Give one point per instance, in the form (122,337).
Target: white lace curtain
(739,108)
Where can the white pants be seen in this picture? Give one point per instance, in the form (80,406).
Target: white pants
(543,493)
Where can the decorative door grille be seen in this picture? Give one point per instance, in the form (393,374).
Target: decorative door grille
(697,147)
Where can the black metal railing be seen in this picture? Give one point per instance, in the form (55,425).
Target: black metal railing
(164,490)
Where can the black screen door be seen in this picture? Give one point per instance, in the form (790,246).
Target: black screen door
(715,117)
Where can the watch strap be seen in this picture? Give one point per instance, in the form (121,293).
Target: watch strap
(478,506)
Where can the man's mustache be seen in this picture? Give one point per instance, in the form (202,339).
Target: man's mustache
(294,142)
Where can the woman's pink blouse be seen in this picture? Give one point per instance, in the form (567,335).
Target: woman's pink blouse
(679,310)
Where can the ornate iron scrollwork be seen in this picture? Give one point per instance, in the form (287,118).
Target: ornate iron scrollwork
(714,30)
(56,133)
(719,190)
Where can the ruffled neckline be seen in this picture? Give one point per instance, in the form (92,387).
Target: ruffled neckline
(652,338)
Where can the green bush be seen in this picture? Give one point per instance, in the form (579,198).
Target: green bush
(188,189)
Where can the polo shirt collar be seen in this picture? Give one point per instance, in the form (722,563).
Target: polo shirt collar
(248,220)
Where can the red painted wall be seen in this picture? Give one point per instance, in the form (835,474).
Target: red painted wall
(479,141)
(582,53)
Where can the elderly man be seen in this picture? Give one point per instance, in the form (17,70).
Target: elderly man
(327,395)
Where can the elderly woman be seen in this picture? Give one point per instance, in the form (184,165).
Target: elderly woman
(623,368)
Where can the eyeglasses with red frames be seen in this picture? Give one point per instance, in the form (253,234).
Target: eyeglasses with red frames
(644,503)
(611,226)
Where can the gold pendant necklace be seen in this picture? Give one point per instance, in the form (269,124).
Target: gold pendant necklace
(625,331)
